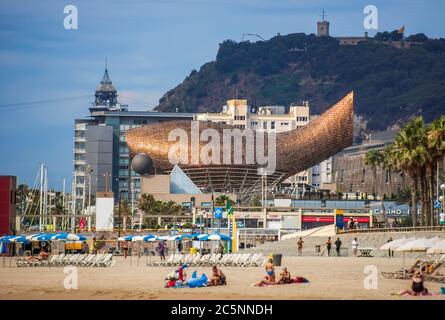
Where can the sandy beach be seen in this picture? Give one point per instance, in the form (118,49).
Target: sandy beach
(330,278)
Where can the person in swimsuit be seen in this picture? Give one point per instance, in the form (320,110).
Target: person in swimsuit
(270,274)
(417,287)
(218,277)
(300,246)
(284,277)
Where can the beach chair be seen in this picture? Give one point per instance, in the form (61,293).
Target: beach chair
(79,259)
(224,258)
(260,261)
(98,260)
(195,260)
(62,262)
(204,260)
(244,258)
(228,261)
(106,260)
(57,260)
(211,260)
(47,263)
(163,263)
(187,258)
(251,260)
(235,258)
(87,261)
(72,261)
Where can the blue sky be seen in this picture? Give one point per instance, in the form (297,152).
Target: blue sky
(151,46)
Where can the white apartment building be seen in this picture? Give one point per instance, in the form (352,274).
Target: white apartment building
(273,118)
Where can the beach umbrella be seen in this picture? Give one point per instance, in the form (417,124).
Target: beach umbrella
(437,248)
(147,237)
(6,238)
(179,237)
(214,237)
(125,238)
(31,236)
(393,245)
(69,237)
(137,238)
(162,238)
(42,237)
(418,245)
(19,239)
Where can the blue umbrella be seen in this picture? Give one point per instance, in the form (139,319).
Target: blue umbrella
(6,238)
(214,237)
(125,238)
(69,237)
(179,237)
(42,237)
(148,236)
(20,239)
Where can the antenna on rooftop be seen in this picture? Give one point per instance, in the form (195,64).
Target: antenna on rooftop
(323,15)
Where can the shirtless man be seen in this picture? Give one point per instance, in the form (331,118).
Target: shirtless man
(284,277)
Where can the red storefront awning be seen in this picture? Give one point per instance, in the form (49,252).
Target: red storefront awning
(330,219)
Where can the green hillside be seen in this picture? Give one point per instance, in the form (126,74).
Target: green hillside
(390,84)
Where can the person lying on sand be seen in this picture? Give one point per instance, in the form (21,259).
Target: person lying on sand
(218,277)
(284,277)
(417,287)
(270,274)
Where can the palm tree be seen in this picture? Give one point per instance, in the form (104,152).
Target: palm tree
(436,147)
(408,154)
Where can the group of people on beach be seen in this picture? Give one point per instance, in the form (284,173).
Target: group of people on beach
(285,276)
(178,278)
(338,243)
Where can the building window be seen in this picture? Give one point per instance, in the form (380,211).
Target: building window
(240,117)
(264,124)
(272,125)
(284,123)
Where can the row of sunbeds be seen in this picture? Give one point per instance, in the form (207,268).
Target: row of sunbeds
(61,260)
(229,259)
(433,271)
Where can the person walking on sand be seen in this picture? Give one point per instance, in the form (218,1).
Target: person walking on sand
(329,246)
(125,248)
(390,252)
(338,244)
(354,247)
(179,247)
(300,246)
(161,249)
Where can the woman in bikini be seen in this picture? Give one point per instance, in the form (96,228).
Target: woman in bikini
(270,274)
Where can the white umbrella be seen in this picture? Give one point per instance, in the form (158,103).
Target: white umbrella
(419,245)
(393,245)
(437,248)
